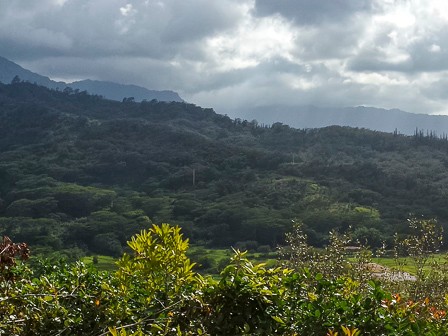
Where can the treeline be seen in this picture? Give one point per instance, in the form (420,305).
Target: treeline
(80,174)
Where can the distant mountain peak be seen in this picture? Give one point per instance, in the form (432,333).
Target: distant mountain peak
(9,69)
(378,119)
(116,91)
(109,90)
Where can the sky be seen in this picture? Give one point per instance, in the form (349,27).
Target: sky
(237,54)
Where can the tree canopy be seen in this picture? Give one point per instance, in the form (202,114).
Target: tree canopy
(81,173)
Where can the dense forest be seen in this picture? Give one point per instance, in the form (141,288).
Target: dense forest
(81,174)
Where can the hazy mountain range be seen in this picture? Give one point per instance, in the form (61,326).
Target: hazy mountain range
(295,116)
(362,117)
(109,90)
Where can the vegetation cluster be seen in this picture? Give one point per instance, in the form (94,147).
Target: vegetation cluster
(79,175)
(156,291)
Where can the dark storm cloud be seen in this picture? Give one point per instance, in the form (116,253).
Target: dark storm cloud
(238,53)
(101,28)
(370,63)
(427,56)
(194,20)
(125,41)
(313,12)
(337,41)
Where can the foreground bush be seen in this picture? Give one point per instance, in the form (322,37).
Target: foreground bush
(156,292)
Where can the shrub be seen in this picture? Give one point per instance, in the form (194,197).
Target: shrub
(156,292)
(264,249)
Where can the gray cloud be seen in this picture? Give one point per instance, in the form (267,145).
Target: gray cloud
(366,62)
(335,41)
(159,29)
(429,57)
(437,90)
(314,12)
(231,54)
(193,20)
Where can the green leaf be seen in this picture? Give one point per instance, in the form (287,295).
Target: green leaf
(246,328)
(278,319)
(48,298)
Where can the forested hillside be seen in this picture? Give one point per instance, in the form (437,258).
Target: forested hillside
(82,174)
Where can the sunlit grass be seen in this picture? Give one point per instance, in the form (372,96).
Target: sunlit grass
(402,264)
(408,264)
(105,263)
(222,257)
(219,258)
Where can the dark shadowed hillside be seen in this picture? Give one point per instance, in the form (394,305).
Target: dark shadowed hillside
(80,173)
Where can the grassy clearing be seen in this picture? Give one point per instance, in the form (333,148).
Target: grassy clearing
(209,261)
(105,263)
(408,264)
(212,261)
(403,264)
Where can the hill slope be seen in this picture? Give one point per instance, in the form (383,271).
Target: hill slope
(80,173)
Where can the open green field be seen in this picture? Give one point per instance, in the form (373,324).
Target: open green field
(212,261)
(104,263)
(408,264)
(209,261)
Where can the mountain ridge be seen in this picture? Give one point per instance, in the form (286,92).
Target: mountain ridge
(306,116)
(378,119)
(116,91)
(109,90)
